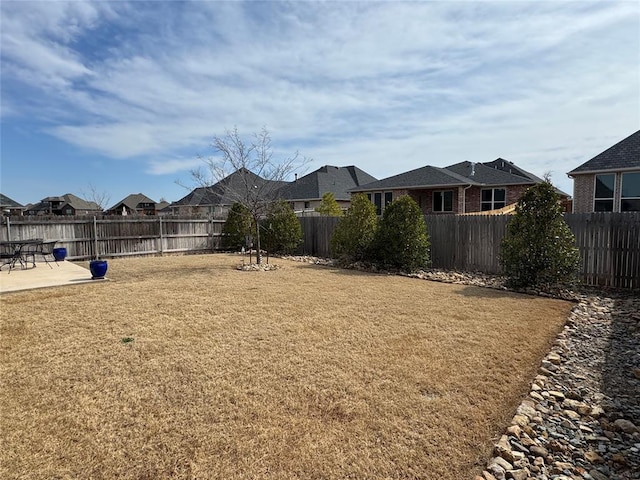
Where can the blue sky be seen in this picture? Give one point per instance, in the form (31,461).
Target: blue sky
(125,96)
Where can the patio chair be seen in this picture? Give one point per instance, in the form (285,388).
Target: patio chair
(9,255)
(43,249)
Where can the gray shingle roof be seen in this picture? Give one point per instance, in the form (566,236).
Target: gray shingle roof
(623,155)
(510,167)
(9,202)
(221,192)
(70,199)
(337,180)
(498,172)
(419,178)
(132,201)
(489,175)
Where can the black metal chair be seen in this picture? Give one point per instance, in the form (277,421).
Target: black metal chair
(43,249)
(11,254)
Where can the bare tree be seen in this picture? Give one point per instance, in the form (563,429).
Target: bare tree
(247,173)
(99,198)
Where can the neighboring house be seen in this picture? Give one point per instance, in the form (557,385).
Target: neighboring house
(10,207)
(67,204)
(163,208)
(216,200)
(305,193)
(461,188)
(610,181)
(134,204)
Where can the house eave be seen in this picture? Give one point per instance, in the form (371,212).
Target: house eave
(433,187)
(572,174)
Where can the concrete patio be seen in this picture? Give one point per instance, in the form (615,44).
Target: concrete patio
(62,273)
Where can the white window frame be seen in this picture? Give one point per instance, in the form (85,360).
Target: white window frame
(433,201)
(492,202)
(601,199)
(622,198)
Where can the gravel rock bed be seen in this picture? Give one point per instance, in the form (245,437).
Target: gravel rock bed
(581,419)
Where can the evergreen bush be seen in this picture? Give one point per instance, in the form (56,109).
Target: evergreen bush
(354,232)
(329,206)
(401,241)
(237,227)
(539,248)
(281,229)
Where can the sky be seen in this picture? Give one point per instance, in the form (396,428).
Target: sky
(120,97)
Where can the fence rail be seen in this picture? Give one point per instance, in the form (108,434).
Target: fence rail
(92,237)
(609,243)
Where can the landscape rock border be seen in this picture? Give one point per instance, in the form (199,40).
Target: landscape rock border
(581,420)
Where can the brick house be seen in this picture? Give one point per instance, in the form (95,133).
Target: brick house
(134,204)
(610,181)
(465,187)
(67,204)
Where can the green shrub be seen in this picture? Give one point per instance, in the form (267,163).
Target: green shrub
(401,241)
(281,229)
(237,227)
(539,248)
(354,232)
(329,206)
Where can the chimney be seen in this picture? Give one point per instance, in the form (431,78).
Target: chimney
(473,169)
(296,177)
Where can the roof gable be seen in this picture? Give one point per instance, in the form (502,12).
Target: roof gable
(8,202)
(623,155)
(132,201)
(221,193)
(337,180)
(428,176)
(485,175)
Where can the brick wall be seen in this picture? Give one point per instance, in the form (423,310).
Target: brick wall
(583,186)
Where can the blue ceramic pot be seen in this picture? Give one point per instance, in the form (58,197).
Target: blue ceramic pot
(60,254)
(98,269)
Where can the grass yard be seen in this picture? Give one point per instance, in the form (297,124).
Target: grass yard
(184,367)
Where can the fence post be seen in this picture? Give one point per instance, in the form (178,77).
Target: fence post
(8,229)
(160,248)
(95,237)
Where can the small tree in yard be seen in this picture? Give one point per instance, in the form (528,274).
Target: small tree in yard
(401,241)
(354,232)
(281,229)
(246,173)
(237,227)
(329,206)
(539,248)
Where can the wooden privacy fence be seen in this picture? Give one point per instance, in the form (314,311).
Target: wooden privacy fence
(91,237)
(609,243)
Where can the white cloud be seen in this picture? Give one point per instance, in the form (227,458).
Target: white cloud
(386,86)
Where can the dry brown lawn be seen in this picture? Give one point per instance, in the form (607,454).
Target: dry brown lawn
(305,372)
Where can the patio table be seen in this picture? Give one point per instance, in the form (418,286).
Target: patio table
(12,252)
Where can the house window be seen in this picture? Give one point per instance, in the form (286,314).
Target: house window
(630,201)
(443,201)
(492,198)
(369,196)
(307,205)
(377,201)
(604,193)
(388,198)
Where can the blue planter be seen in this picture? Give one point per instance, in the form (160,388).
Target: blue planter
(60,254)
(98,269)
